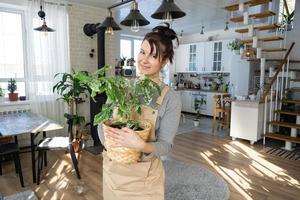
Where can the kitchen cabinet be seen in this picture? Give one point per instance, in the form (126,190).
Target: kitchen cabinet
(226,57)
(186,99)
(201,67)
(208,56)
(182,58)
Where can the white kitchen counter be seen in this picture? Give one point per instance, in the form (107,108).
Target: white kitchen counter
(246,120)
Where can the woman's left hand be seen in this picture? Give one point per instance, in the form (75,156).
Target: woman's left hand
(125,137)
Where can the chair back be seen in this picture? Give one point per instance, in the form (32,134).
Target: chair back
(221,101)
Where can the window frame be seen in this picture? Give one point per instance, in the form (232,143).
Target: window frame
(25,68)
(131,39)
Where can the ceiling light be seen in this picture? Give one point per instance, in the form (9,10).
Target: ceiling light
(202,30)
(109,24)
(44,28)
(168,11)
(226,26)
(135,19)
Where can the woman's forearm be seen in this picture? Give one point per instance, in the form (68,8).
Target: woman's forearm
(147,147)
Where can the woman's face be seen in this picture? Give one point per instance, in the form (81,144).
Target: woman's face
(148,63)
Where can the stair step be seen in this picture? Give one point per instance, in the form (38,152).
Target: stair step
(279,136)
(295,113)
(265,39)
(248,3)
(290,101)
(285,124)
(294,89)
(273,49)
(295,79)
(263,14)
(290,70)
(258,28)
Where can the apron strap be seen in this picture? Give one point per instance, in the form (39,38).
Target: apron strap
(162,95)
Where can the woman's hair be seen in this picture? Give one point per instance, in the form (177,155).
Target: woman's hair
(162,38)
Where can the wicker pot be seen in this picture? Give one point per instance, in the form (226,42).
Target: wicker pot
(13,96)
(122,154)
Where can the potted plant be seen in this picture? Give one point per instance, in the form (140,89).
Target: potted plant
(125,100)
(1,94)
(287,22)
(198,103)
(235,46)
(12,87)
(73,91)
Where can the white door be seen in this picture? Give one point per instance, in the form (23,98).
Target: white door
(181,58)
(226,57)
(200,64)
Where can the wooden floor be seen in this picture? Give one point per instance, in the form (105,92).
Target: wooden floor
(249,173)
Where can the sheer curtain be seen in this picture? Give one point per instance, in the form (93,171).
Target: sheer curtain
(46,56)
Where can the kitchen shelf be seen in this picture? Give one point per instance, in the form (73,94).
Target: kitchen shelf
(253,16)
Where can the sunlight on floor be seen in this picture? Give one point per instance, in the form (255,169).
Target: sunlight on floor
(239,178)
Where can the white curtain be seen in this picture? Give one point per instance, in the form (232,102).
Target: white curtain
(46,56)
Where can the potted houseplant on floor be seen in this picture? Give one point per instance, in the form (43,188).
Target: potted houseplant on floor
(199,102)
(287,22)
(1,94)
(12,87)
(125,100)
(73,93)
(235,46)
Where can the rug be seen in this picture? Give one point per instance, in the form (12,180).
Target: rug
(290,155)
(26,195)
(193,182)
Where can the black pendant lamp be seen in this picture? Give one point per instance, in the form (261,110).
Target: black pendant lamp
(110,25)
(135,19)
(168,11)
(44,27)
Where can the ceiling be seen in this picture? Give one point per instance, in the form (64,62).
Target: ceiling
(198,12)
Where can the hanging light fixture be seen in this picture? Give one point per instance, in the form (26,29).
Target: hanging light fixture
(202,30)
(168,11)
(226,26)
(44,28)
(109,24)
(135,19)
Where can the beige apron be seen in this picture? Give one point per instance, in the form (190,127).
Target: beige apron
(139,181)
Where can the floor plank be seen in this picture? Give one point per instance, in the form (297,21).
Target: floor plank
(249,173)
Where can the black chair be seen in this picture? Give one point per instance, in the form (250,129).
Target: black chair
(56,143)
(11,149)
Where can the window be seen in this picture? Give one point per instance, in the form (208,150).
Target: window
(282,10)
(130,48)
(12,64)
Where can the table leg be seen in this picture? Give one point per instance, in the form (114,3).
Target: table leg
(33,157)
(45,152)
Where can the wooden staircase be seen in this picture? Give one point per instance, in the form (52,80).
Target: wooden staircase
(272,93)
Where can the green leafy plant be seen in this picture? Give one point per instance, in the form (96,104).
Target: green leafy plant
(1,92)
(287,21)
(125,96)
(235,45)
(72,91)
(12,86)
(198,103)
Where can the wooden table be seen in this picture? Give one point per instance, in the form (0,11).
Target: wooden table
(18,123)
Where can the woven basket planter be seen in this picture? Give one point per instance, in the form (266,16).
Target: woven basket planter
(122,154)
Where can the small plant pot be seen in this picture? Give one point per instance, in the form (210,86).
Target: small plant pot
(236,52)
(196,122)
(13,96)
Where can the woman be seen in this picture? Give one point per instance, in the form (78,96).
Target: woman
(145,179)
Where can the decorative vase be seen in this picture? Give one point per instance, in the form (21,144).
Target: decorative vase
(13,96)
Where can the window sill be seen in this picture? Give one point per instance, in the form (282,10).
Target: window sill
(14,103)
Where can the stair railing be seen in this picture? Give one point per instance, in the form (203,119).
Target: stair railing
(268,93)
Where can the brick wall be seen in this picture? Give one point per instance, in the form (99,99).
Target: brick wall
(81,45)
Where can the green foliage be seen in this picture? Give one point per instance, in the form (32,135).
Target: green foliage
(123,95)
(235,45)
(71,90)
(12,86)
(1,92)
(70,87)
(287,20)
(198,103)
